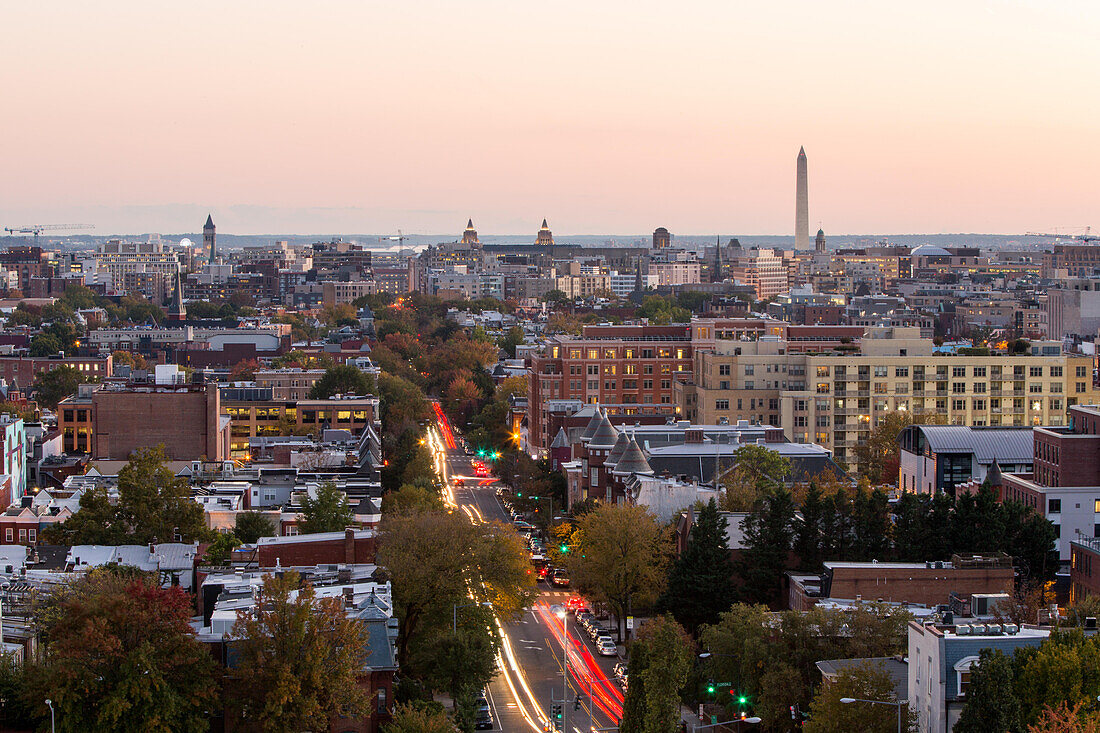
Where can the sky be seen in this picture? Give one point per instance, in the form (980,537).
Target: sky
(604,117)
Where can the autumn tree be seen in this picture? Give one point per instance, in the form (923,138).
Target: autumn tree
(435,560)
(1067,717)
(755,471)
(342,379)
(298,660)
(879,456)
(700,583)
(413,719)
(619,555)
(864,681)
(328,512)
(154,505)
(660,659)
(414,498)
(121,655)
(244,370)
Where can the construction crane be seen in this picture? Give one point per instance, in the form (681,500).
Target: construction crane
(39,228)
(1086,237)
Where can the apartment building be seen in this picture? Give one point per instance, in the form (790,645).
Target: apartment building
(255,412)
(288,384)
(835,399)
(676,273)
(763,270)
(628,365)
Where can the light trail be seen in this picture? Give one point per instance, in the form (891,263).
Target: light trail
(602,692)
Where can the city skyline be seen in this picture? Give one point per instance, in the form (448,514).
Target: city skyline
(370,118)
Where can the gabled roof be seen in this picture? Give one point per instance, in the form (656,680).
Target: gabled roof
(1007,445)
(592,427)
(560,440)
(618,450)
(633,461)
(605,436)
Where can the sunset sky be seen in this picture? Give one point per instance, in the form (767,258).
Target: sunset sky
(604,117)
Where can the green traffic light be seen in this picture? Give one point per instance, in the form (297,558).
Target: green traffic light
(481,451)
(710,688)
(742,699)
(564,549)
(496,455)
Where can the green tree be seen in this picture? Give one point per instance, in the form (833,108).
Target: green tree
(79,296)
(412,719)
(510,340)
(435,560)
(299,659)
(991,702)
(809,533)
(769,536)
(154,505)
(121,655)
(665,652)
(50,387)
(252,525)
(329,512)
(1066,667)
(756,470)
(619,557)
(342,379)
(17,709)
(417,498)
(44,344)
(462,663)
(700,584)
(879,456)
(220,550)
(863,681)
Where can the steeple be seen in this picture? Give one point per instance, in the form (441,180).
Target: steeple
(545,238)
(470,235)
(716,273)
(177,312)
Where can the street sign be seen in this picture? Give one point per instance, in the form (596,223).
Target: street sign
(629,622)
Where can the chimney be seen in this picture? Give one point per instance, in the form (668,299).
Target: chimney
(349,546)
(349,596)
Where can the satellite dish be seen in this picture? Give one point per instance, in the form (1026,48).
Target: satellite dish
(185,242)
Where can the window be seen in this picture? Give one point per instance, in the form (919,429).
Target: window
(749,370)
(823,371)
(880,371)
(721,404)
(958,387)
(32,535)
(1056,371)
(962,672)
(1054,506)
(1080,372)
(1080,387)
(8,534)
(959,371)
(901,371)
(1035,371)
(724,370)
(958,405)
(979,371)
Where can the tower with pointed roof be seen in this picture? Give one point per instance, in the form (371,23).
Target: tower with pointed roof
(469,236)
(716,272)
(545,237)
(819,241)
(177,312)
(801,204)
(209,237)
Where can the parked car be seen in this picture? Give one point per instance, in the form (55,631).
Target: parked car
(596,630)
(484,717)
(606,647)
(560,578)
(620,671)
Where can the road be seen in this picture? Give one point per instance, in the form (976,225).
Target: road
(531,661)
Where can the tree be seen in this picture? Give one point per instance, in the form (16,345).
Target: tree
(44,344)
(1066,667)
(769,536)
(122,656)
(329,512)
(17,709)
(154,505)
(50,387)
(221,549)
(435,560)
(619,556)
(700,585)
(1066,718)
(660,659)
(416,498)
(809,532)
(879,456)
(126,358)
(244,371)
(299,659)
(411,719)
(991,702)
(756,470)
(252,525)
(463,662)
(342,379)
(511,340)
(863,681)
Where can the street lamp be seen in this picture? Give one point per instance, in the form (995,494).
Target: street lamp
(454,619)
(850,700)
(564,616)
(49,704)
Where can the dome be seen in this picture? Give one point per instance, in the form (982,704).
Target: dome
(929,250)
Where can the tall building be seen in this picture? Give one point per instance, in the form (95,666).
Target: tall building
(819,241)
(545,236)
(470,235)
(801,205)
(208,237)
(661,238)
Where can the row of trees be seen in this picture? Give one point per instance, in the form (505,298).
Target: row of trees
(120,654)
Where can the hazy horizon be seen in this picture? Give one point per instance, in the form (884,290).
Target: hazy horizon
(346,116)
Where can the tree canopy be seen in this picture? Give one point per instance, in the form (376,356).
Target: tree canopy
(700,584)
(342,379)
(329,512)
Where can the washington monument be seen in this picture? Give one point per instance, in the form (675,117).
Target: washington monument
(801,206)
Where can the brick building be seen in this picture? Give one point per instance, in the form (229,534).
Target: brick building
(112,422)
(22,370)
(1084,569)
(326,548)
(288,384)
(628,365)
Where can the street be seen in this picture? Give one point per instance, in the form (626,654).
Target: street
(531,661)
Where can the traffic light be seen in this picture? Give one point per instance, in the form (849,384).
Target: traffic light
(563,549)
(742,700)
(556,715)
(710,687)
(577,702)
(481,452)
(495,456)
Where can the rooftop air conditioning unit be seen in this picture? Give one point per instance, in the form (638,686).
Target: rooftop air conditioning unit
(963,630)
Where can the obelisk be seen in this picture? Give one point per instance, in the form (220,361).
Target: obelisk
(801,205)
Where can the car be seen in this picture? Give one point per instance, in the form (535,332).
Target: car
(606,647)
(459,482)
(597,630)
(560,578)
(585,617)
(573,604)
(620,671)
(481,471)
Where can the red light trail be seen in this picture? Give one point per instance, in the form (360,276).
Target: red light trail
(585,670)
